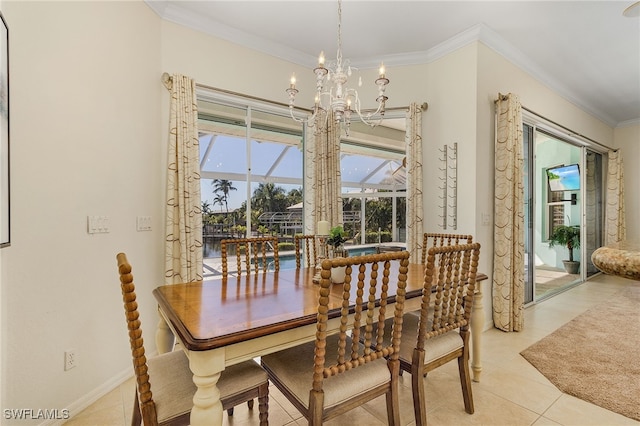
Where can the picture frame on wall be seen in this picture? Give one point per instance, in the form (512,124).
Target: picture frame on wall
(5,211)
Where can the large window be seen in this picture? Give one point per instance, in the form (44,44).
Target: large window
(252,175)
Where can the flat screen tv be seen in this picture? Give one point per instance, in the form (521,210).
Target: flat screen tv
(564,178)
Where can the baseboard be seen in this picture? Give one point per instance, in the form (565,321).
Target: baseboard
(88,399)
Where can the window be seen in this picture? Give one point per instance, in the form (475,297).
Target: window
(251,162)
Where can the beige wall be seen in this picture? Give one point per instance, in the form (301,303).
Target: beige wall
(85,140)
(628,140)
(89,120)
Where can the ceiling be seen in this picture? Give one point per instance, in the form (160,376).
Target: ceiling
(586,51)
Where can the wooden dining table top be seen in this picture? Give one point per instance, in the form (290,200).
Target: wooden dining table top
(214,313)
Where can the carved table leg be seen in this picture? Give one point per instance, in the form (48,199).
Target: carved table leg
(165,340)
(206,367)
(477,326)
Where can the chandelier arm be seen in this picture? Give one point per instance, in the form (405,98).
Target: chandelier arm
(309,121)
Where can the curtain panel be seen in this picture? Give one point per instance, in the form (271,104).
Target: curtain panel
(327,179)
(508,260)
(415,213)
(183,238)
(615,226)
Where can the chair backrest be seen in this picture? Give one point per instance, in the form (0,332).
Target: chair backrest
(438,240)
(250,250)
(310,250)
(367,277)
(447,295)
(145,397)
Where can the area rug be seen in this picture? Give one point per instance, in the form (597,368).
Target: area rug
(596,356)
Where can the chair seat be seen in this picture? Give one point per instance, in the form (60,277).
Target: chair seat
(173,387)
(434,348)
(297,376)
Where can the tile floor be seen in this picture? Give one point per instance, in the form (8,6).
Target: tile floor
(511,392)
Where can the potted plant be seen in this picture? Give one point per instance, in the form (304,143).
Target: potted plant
(336,240)
(568,236)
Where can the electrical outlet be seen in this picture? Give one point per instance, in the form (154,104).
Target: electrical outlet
(70,359)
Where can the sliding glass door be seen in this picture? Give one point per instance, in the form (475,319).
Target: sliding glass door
(529,253)
(594,209)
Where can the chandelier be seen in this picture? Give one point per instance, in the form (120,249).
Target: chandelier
(339,98)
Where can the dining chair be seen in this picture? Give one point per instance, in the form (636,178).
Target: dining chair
(438,240)
(336,373)
(309,250)
(250,251)
(171,400)
(441,332)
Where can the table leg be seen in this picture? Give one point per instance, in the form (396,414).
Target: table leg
(206,367)
(165,340)
(477,326)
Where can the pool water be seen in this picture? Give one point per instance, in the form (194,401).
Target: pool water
(288,259)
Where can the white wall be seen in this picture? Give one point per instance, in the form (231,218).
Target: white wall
(85,140)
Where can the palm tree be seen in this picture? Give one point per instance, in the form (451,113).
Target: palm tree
(268,197)
(294,196)
(206,207)
(219,200)
(222,187)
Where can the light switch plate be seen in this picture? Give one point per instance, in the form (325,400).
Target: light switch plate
(143,223)
(97,224)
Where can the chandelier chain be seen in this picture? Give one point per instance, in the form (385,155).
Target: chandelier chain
(339,55)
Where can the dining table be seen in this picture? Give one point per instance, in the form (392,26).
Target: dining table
(223,322)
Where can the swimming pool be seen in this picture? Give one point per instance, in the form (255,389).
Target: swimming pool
(288,259)
(212,264)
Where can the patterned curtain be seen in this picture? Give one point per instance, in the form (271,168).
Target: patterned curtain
(183,243)
(309,196)
(413,138)
(326,178)
(508,259)
(615,226)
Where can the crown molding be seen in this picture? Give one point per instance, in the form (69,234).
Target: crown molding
(629,123)
(477,33)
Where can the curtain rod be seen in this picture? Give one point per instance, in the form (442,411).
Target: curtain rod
(167,81)
(502,97)
(571,132)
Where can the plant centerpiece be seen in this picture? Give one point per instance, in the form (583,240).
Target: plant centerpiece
(569,237)
(336,240)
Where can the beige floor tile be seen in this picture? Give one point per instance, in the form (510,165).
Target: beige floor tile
(276,396)
(520,367)
(243,416)
(107,410)
(543,421)
(570,411)
(99,414)
(490,409)
(523,391)
(378,407)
